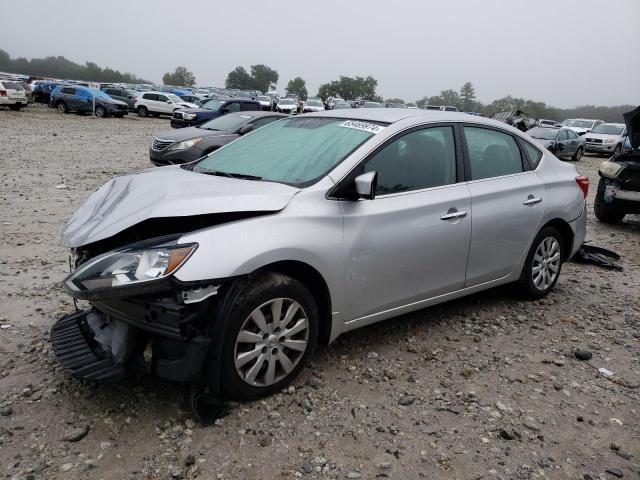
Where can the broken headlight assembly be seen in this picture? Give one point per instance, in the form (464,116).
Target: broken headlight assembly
(133,267)
(610,169)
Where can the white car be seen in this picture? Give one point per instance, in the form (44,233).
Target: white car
(313,105)
(159,103)
(607,138)
(12,95)
(287,105)
(581,125)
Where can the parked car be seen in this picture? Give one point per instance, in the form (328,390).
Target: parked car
(159,103)
(340,105)
(28,91)
(443,108)
(187,144)
(190,117)
(265,102)
(370,104)
(581,125)
(543,122)
(121,94)
(42,90)
(67,98)
(12,95)
(607,138)
(313,105)
(516,118)
(192,98)
(562,142)
(287,105)
(618,191)
(230,269)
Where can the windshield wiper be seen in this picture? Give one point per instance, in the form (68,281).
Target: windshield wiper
(241,176)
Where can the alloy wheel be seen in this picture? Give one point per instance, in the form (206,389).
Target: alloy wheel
(546,263)
(271,342)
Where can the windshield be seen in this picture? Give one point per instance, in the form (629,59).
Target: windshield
(608,129)
(295,151)
(286,101)
(174,98)
(264,98)
(226,123)
(100,94)
(212,104)
(314,103)
(543,133)
(578,123)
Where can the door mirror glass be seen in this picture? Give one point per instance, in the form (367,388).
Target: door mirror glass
(366,185)
(245,129)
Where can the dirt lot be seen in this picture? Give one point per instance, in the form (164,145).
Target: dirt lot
(486,387)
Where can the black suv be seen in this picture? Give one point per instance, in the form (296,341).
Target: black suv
(214,108)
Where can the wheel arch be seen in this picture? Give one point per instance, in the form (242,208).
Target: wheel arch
(313,280)
(565,232)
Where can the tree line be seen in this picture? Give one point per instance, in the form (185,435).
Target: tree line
(60,67)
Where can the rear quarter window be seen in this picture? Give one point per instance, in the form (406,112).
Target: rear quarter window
(533,154)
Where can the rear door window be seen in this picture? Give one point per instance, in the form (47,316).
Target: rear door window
(492,153)
(533,154)
(68,91)
(250,106)
(232,107)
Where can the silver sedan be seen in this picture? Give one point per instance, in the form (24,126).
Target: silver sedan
(307,228)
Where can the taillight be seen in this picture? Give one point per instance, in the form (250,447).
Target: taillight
(583,183)
(3,93)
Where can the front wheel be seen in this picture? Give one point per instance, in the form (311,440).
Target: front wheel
(100,112)
(606,212)
(143,111)
(543,264)
(578,155)
(61,107)
(272,333)
(617,150)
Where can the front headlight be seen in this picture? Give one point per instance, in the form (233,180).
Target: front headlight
(127,267)
(186,144)
(610,140)
(188,116)
(610,169)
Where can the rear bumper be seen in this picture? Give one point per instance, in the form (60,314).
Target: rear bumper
(5,101)
(579,229)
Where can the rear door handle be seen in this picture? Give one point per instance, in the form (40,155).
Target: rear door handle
(452,215)
(532,200)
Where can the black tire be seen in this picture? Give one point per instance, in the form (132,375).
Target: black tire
(526,285)
(606,212)
(617,150)
(16,107)
(143,111)
(578,155)
(61,107)
(100,112)
(265,288)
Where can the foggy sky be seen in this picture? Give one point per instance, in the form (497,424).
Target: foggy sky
(563,52)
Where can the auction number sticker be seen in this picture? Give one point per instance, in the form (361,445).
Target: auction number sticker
(364,126)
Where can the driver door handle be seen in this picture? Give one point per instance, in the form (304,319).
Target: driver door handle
(452,215)
(532,200)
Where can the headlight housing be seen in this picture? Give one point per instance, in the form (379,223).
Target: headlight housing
(188,116)
(610,169)
(610,140)
(186,144)
(129,267)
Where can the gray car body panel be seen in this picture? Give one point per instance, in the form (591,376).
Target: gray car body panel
(373,254)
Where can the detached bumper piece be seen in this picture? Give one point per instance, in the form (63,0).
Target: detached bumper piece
(79,353)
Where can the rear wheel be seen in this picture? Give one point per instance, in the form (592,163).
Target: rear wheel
(606,212)
(271,336)
(16,107)
(578,155)
(543,264)
(61,107)
(143,111)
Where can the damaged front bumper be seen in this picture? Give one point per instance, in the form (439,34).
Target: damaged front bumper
(163,333)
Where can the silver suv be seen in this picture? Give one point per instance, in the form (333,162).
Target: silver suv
(227,271)
(607,138)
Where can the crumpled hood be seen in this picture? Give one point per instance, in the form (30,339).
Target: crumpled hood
(165,192)
(632,121)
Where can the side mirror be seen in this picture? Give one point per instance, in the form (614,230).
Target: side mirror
(245,129)
(169,101)
(366,185)
(224,110)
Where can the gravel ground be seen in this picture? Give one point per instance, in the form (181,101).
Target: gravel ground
(484,387)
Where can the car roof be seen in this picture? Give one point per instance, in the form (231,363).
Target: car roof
(256,114)
(392,115)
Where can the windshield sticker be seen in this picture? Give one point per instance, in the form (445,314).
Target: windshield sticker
(364,126)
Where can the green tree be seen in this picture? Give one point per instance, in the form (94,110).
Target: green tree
(60,67)
(180,77)
(468,96)
(423,102)
(394,100)
(263,76)
(299,87)
(351,88)
(239,78)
